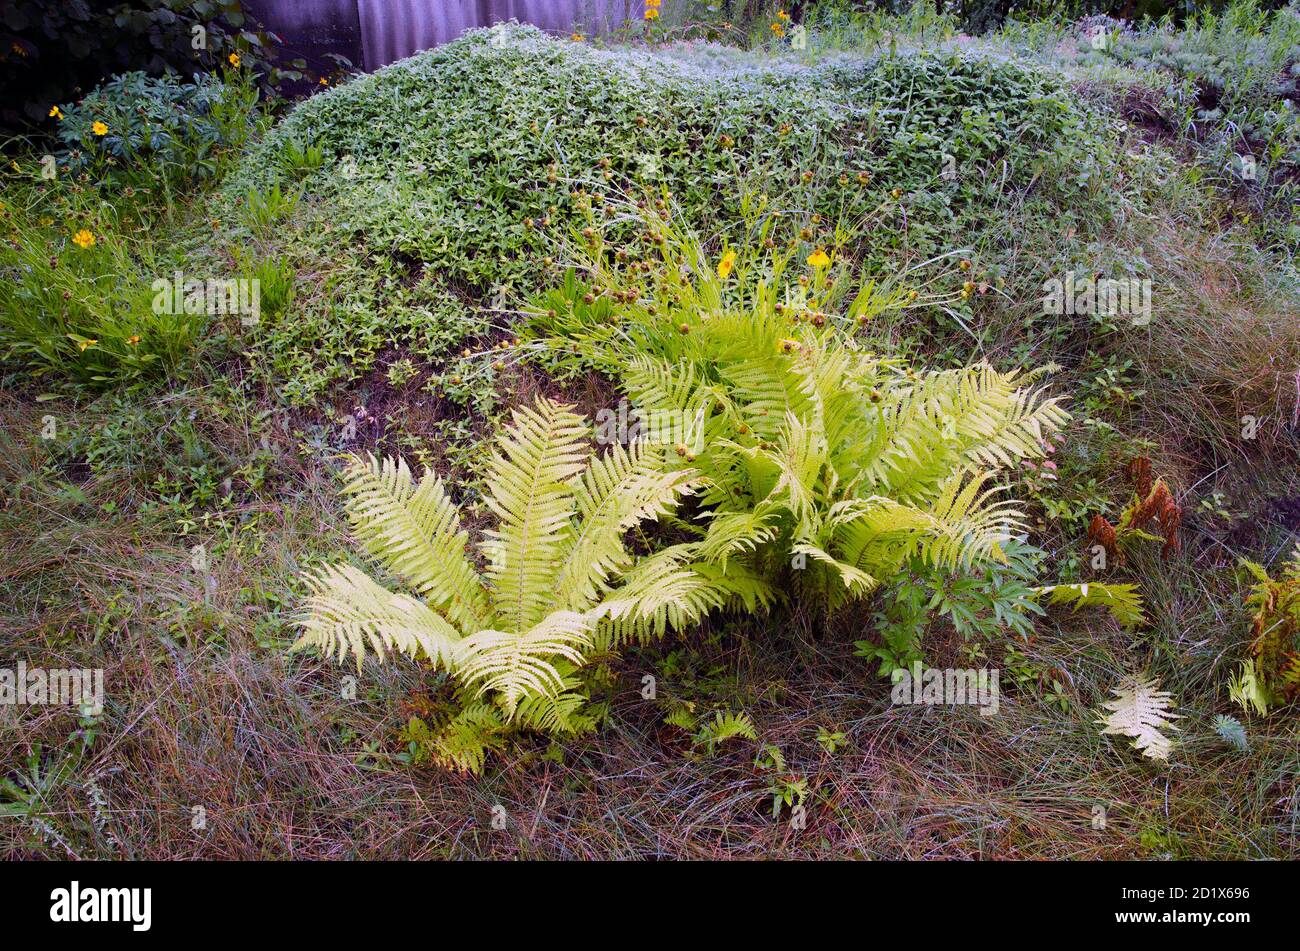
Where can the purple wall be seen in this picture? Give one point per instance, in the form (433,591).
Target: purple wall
(373,33)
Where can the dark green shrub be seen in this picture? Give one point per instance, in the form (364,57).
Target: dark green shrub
(50,52)
(140,130)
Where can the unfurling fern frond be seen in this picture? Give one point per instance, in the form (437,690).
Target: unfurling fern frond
(1140,711)
(1121,600)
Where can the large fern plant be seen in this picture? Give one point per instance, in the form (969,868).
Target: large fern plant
(558,580)
(825,467)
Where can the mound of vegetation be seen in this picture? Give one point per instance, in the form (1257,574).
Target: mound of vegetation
(449,155)
(471,163)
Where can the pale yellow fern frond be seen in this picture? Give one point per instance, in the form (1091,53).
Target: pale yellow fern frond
(414,531)
(517,663)
(346,612)
(619,490)
(530,490)
(1121,600)
(1140,711)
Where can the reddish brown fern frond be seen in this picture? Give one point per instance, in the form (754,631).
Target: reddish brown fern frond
(1139,470)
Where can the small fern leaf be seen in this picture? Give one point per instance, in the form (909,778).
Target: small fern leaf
(725,726)
(1231,732)
(465,741)
(1246,690)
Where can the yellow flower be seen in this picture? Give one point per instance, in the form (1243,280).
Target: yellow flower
(726,264)
(56,112)
(83,238)
(83,344)
(819,259)
(577,37)
(782,15)
(133,339)
(654,3)
(778,29)
(651,13)
(324,81)
(234,60)
(99,128)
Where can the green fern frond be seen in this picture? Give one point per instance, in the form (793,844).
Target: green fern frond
(530,490)
(682,718)
(1246,690)
(723,727)
(617,491)
(732,533)
(565,712)
(1121,600)
(414,531)
(464,742)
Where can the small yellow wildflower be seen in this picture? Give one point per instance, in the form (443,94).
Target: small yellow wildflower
(819,259)
(651,13)
(726,264)
(782,15)
(133,339)
(577,37)
(234,60)
(56,112)
(83,238)
(99,128)
(778,29)
(83,344)
(324,81)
